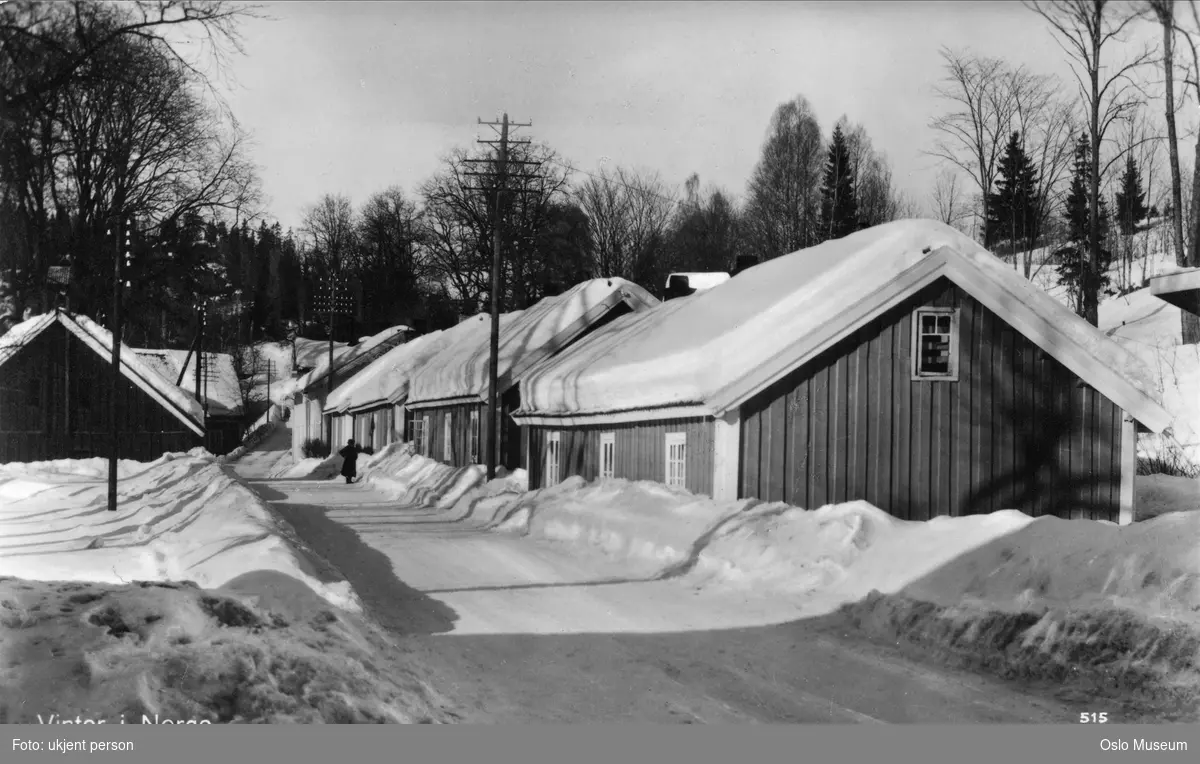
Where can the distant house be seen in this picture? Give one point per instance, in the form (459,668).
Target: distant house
(902,365)
(369,406)
(311,389)
(448,395)
(220,392)
(55,393)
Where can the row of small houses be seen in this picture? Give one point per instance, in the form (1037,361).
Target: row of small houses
(903,365)
(56,395)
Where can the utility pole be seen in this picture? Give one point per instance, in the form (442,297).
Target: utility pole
(335,302)
(114,408)
(270,370)
(499,181)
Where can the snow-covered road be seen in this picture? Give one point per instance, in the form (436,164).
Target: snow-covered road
(516,629)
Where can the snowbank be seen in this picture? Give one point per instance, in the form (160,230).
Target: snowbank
(181,518)
(266,650)
(417,481)
(1159,494)
(1074,601)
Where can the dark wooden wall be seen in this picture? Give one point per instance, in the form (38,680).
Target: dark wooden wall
(511,451)
(640,451)
(223,434)
(1017,431)
(48,413)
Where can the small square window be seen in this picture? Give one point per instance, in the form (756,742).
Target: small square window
(935,344)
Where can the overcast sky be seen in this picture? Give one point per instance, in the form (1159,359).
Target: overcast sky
(345,97)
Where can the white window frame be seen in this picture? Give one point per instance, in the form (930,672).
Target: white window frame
(420,433)
(953,339)
(551,464)
(448,437)
(608,454)
(473,438)
(676,459)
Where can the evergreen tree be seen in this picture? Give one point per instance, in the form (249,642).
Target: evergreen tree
(839,207)
(1131,200)
(1012,213)
(1074,264)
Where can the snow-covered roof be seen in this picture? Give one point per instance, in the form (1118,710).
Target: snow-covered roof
(715,349)
(375,344)
(526,338)
(385,380)
(224,391)
(1181,289)
(182,405)
(702,281)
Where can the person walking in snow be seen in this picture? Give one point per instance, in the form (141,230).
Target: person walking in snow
(349,456)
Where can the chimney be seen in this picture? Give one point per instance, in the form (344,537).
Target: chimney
(742,263)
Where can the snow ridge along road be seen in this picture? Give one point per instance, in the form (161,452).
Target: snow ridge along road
(524,630)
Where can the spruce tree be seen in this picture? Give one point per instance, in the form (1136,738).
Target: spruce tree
(839,207)
(1074,264)
(1131,200)
(1012,209)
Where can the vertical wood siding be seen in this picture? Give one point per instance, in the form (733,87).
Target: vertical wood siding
(1017,430)
(48,413)
(640,451)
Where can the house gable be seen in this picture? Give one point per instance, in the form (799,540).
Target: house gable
(1017,429)
(1056,332)
(99,341)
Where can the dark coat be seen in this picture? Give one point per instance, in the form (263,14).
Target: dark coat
(349,456)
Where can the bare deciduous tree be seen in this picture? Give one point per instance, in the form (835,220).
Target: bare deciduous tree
(1085,29)
(630,213)
(948,202)
(783,198)
(1164,12)
(332,230)
(972,136)
(1191,322)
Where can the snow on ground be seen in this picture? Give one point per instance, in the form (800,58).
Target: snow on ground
(1159,494)
(192,602)
(1150,329)
(181,518)
(1001,582)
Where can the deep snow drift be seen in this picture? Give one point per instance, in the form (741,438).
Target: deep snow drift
(99,617)
(180,518)
(1002,581)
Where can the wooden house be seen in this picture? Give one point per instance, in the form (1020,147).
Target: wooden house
(448,395)
(308,421)
(220,392)
(56,389)
(903,365)
(369,406)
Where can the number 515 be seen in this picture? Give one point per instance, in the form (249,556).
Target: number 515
(1093,718)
